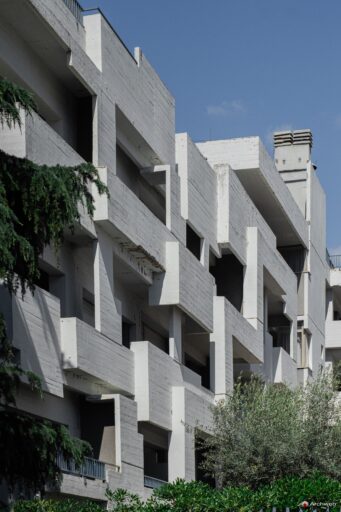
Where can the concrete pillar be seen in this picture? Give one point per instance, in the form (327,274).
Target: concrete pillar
(177,443)
(221,351)
(267,340)
(175,334)
(330,305)
(107,309)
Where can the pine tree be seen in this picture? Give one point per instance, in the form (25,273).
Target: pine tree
(37,204)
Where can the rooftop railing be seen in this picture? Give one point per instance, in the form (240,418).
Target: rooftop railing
(153,483)
(334,260)
(76,9)
(91,468)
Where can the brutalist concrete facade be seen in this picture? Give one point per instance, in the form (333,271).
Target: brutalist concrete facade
(206,259)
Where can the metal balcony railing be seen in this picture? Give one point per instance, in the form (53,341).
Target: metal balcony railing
(91,468)
(334,260)
(153,483)
(76,9)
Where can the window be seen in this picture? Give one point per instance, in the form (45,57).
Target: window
(193,242)
(128,332)
(88,307)
(43,280)
(228,273)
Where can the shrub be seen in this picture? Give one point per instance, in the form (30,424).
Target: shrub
(263,433)
(183,496)
(68,505)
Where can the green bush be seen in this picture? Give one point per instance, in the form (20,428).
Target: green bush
(287,492)
(61,505)
(262,433)
(318,491)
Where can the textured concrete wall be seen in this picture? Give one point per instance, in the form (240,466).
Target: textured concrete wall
(134,266)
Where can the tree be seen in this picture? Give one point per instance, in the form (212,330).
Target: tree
(265,432)
(38,203)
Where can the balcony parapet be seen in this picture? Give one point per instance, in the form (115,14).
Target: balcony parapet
(156,374)
(100,360)
(284,367)
(333,334)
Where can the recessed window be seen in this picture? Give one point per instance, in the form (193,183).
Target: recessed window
(228,273)
(193,242)
(128,332)
(43,281)
(88,307)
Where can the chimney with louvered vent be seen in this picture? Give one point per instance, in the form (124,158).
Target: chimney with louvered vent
(292,149)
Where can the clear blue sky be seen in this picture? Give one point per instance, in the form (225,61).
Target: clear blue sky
(247,67)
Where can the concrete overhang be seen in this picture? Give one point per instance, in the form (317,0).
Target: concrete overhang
(264,185)
(23,19)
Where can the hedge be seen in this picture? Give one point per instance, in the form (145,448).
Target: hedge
(290,492)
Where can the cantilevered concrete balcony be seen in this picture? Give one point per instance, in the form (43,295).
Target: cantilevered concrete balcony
(284,367)
(131,223)
(156,373)
(333,334)
(95,358)
(186,284)
(33,325)
(263,183)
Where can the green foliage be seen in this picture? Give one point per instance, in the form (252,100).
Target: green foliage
(198,497)
(122,500)
(29,448)
(263,433)
(10,370)
(12,99)
(58,506)
(37,205)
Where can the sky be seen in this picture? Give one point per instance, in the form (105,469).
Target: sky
(247,67)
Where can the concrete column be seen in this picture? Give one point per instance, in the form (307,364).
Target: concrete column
(267,340)
(107,309)
(221,351)
(175,334)
(330,306)
(177,443)
(252,309)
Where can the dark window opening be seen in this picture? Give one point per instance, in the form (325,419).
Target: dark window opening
(88,307)
(43,281)
(155,451)
(294,257)
(155,461)
(128,332)
(97,421)
(229,277)
(84,128)
(201,369)
(337,315)
(280,329)
(193,242)
(155,335)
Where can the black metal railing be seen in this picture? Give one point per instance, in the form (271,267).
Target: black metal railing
(91,468)
(76,9)
(334,260)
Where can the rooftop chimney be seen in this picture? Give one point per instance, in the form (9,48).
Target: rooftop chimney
(292,149)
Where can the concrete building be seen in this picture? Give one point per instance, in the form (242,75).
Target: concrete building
(206,260)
